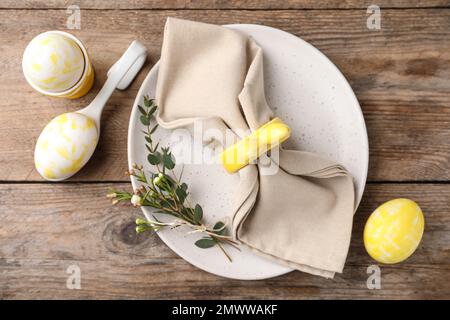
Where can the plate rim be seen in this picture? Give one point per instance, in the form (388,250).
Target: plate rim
(132,128)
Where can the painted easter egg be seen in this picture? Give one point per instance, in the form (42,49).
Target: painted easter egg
(394,230)
(65,145)
(53,62)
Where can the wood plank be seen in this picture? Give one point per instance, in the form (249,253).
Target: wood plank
(401,75)
(45,228)
(221,4)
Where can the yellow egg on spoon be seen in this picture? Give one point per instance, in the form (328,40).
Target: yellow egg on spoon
(65,145)
(53,62)
(394,230)
(69,140)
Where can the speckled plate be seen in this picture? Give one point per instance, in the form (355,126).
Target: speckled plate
(309,93)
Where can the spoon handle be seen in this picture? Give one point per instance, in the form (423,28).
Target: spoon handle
(119,76)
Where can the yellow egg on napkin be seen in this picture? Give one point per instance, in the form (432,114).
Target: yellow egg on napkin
(53,62)
(394,230)
(65,145)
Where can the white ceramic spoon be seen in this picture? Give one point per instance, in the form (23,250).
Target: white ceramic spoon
(69,140)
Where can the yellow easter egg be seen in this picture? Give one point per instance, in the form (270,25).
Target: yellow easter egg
(53,62)
(394,230)
(65,145)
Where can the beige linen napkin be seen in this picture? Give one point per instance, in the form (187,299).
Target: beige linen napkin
(301,216)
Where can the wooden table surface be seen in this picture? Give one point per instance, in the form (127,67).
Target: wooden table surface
(400,74)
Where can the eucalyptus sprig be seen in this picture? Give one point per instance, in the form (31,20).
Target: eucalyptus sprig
(165,192)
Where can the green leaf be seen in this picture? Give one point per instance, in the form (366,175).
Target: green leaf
(181,194)
(184,186)
(154,158)
(147,102)
(205,243)
(168,160)
(219,225)
(152,110)
(144,120)
(167,204)
(148,139)
(198,213)
(171,181)
(154,129)
(142,111)
(186,212)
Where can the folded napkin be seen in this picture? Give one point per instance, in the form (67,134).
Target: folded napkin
(302,215)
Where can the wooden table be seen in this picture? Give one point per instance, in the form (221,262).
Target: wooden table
(400,74)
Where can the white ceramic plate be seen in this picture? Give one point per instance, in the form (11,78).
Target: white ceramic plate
(309,93)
